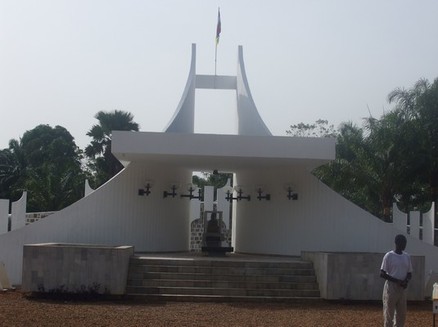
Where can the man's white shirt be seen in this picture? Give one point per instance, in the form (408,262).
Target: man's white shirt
(397,265)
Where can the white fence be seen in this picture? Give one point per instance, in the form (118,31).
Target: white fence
(18,217)
(417,224)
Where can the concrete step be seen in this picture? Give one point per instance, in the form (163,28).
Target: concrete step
(224,279)
(221,262)
(219,298)
(219,270)
(222,291)
(230,278)
(221,284)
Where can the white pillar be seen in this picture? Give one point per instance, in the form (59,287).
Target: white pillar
(4,213)
(18,212)
(195,208)
(414,224)
(87,189)
(224,206)
(429,225)
(208,198)
(399,219)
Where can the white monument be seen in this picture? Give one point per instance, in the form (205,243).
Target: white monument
(300,214)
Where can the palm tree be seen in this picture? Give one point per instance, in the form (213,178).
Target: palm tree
(420,105)
(53,189)
(40,163)
(11,170)
(394,158)
(406,100)
(370,166)
(350,174)
(103,163)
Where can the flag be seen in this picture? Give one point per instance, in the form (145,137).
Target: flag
(218,28)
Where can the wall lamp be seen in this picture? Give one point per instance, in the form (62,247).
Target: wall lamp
(191,189)
(173,193)
(147,189)
(229,196)
(290,193)
(260,196)
(239,196)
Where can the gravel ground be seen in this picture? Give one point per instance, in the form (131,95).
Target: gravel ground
(17,309)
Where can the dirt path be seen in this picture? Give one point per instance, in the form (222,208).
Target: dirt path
(18,310)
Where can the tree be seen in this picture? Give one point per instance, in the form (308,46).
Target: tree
(427,107)
(420,107)
(394,158)
(216,179)
(10,171)
(373,167)
(349,174)
(102,163)
(53,189)
(320,128)
(39,163)
(386,164)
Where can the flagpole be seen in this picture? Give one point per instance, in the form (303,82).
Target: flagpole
(215,59)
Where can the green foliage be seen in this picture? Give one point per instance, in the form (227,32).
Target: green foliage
(102,162)
(320,128)
(419,107)
(218,180)
(45,162)
(10,170)
(394,158)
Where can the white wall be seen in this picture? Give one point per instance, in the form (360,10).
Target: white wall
(320,220)
(112,215)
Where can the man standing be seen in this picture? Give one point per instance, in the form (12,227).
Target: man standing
(397,270)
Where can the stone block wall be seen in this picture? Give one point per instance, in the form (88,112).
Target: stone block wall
(75,268)
(32,217)
(356,276)
(197,231)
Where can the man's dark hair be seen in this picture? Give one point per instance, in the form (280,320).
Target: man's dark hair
(400,238)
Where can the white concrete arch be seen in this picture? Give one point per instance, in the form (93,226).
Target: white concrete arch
(183,120)
(249,120)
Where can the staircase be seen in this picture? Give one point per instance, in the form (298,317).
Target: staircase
(222,279)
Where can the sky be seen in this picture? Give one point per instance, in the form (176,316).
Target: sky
(63,61)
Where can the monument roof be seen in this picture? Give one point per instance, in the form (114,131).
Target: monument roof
(223,152)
